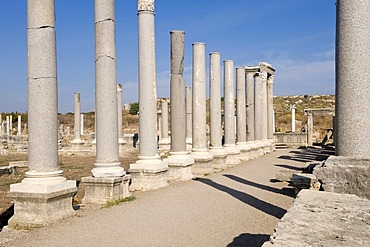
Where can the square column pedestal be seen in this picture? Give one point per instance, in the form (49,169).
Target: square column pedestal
(245,151)
(179,166)
(202,162)
(345,175)
(102,190)
(233,155)
(148,173)
(219,158)
(37,205)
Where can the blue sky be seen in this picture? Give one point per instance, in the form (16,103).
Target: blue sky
(296,36)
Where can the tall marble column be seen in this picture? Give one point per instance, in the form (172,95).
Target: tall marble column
(202,157)
(82,124)
(216,148)
(229,114)
(352,102)
(164,142)
(19,132)
(270,108)
(77,121)
(264,105)
(11,124)
(108,179)
(292,108)
(250,97)
(309,129)
(241,120)
(44,195)
(121,140)
(1,125)
(258,112)
(8,126)
(189,118)
(179,161)
(149,172)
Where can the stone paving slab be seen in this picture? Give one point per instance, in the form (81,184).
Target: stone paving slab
(319,218)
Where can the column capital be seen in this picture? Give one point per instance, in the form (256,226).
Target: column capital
(263,75)
(119,87)
(270,79)
(145,5)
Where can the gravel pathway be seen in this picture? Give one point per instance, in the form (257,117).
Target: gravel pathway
(237,207)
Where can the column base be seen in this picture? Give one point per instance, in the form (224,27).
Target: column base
(179,166)
(254,150)
(148,173)
(189,144)
(267,146)
(233,155)
(219,158)
(108,170)
(245,151)
(202,162)
(37,205)
(164,145)
(102,190)
(260,148)
(345,175)
(121,141)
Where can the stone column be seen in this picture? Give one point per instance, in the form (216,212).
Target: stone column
(108,181)
(8,126)
(241,121)
(270,108)
(77,124)
(349,170)
(292,108)
(258,117)
(229,114)
(179,161)
(264,107)
(164,142)
(309,129)
(19,132)
(216,148)
(44,195)
(82,124)
(121,141)
(203,158)
(250,88)
(1,125)
(149,172)
(189,118)
(11,124)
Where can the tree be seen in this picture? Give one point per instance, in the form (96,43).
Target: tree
(134,108)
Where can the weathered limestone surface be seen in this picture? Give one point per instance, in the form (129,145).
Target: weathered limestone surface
(77,121)
(189,118)
(324,219)
(121,140)
(345,175)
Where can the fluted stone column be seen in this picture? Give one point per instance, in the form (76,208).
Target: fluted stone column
(264,106)
(149,172)
(202,157)
(229,114)
(164,142)
(270,108)
(121,140)
(216,148)
(349,170)
(241,121)
(44,195)
(179,160)
(189,118)
(258,112)
(77,121)
(109,180)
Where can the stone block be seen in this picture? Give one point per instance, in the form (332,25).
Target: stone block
(38,207)
(345,175)
(284,175)
(105,39)
(40,13)
(304,181)
(202,163)
(104,9)
(233,155)
(148,179)
(245,152)
(319,218)
(179,166)
(101,190)
(219,159)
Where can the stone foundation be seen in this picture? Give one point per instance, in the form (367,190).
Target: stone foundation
(345,175)
(101,190)
(219,159)
(40,205)
(245,152)
(143,179)
(233,155)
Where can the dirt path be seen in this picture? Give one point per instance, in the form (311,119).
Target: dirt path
(237,207)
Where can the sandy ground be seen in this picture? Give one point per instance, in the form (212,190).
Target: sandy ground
(237,207)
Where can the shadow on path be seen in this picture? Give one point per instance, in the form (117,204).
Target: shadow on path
(249,240)
(290,167)
(247,199)
(284,191)
(309,154)
(5,216)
